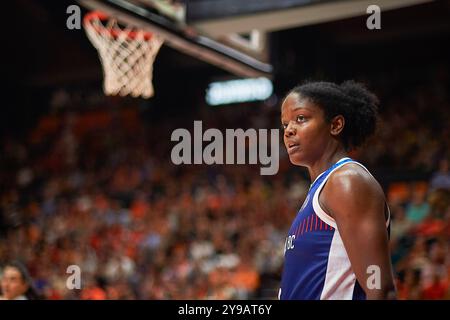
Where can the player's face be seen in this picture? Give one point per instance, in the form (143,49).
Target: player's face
(12,283)
(306,133)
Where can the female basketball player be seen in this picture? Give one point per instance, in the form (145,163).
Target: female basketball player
(337,246)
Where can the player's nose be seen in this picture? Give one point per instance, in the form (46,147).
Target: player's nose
(289,131)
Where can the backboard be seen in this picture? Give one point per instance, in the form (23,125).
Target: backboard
(231,34)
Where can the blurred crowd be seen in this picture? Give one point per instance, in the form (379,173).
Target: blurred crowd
(97,189)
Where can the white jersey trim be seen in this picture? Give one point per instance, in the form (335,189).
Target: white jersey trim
(317,208)
(340,279)
(316,205)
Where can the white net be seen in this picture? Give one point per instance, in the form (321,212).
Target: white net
(126,54)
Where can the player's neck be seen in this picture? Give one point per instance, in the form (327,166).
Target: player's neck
(326,161)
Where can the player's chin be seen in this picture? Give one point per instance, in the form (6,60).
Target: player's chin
(296,159)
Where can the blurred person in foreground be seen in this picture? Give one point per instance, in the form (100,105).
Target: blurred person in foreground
(16,283)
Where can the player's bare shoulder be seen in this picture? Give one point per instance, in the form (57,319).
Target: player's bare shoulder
(354,178)
(351,184)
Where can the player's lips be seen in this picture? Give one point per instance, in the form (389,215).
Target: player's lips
(292,147)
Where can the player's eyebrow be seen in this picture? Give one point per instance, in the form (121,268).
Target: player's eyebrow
(297,107)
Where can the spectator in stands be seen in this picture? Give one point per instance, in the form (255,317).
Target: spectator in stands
(441,179)
(16,283)
(418,209)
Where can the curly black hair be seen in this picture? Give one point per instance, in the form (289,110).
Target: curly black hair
(352,100)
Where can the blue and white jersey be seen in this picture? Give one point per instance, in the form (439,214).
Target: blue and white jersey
(316,264)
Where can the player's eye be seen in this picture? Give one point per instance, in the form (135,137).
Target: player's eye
(301,118)
(284,126)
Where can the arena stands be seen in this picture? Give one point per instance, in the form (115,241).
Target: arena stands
(95,187)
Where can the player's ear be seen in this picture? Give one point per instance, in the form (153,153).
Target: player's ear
(337,125)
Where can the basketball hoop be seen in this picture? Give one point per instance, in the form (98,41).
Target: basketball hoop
(127,55)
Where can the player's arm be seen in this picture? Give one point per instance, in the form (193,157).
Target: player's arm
(356,202)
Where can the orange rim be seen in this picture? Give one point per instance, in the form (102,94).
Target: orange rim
(115,32)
